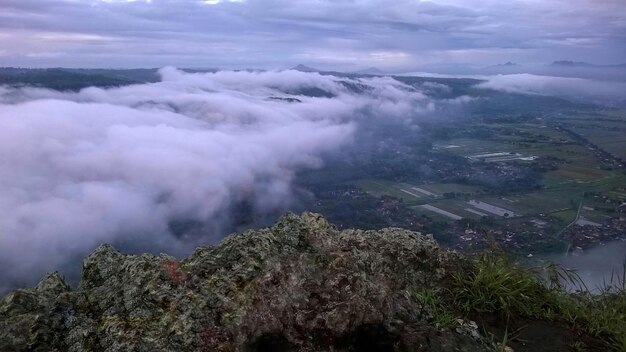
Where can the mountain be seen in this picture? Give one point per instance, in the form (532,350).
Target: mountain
(508,64)
(507,67)
(567,63)
(370,71)
(303,68)
(300,285)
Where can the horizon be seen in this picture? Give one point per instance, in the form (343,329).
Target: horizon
(454,69)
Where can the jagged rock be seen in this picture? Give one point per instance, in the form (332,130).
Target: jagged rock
(52,284)
(299,285)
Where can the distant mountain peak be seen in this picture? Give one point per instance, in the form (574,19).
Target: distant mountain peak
(570,63)
(304,68)
(371,71)
(508,64)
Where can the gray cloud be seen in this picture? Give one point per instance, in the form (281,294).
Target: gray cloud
(332,34)
(108,165)
(573,88)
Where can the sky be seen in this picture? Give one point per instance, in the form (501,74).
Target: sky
(339,34)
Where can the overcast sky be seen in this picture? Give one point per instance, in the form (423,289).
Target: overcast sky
(337,34)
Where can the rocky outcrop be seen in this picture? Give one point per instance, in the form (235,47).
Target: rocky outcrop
(300,285)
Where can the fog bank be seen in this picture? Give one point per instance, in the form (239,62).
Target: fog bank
(133,164)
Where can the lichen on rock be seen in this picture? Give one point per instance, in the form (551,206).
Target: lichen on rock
(300,285)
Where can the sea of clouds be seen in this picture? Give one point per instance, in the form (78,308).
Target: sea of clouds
(129,165)
(121,164)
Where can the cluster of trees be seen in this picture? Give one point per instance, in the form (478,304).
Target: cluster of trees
(75,79)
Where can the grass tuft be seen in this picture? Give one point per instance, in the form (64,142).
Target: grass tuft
(442,317)
(492,283)
(495,284)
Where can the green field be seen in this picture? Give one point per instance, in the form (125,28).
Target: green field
(418,193)
(580,173)
(565,181)
(606,129)
(442,188)
(380,188)
(612,141)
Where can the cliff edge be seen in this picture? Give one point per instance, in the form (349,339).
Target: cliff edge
(298,285)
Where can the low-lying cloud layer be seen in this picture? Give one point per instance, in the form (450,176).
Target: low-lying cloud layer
(123,164)
(573,88)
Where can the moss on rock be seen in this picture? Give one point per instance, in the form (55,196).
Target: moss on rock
(298,285)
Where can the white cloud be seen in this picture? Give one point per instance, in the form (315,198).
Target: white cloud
(559,86)
(106,165)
